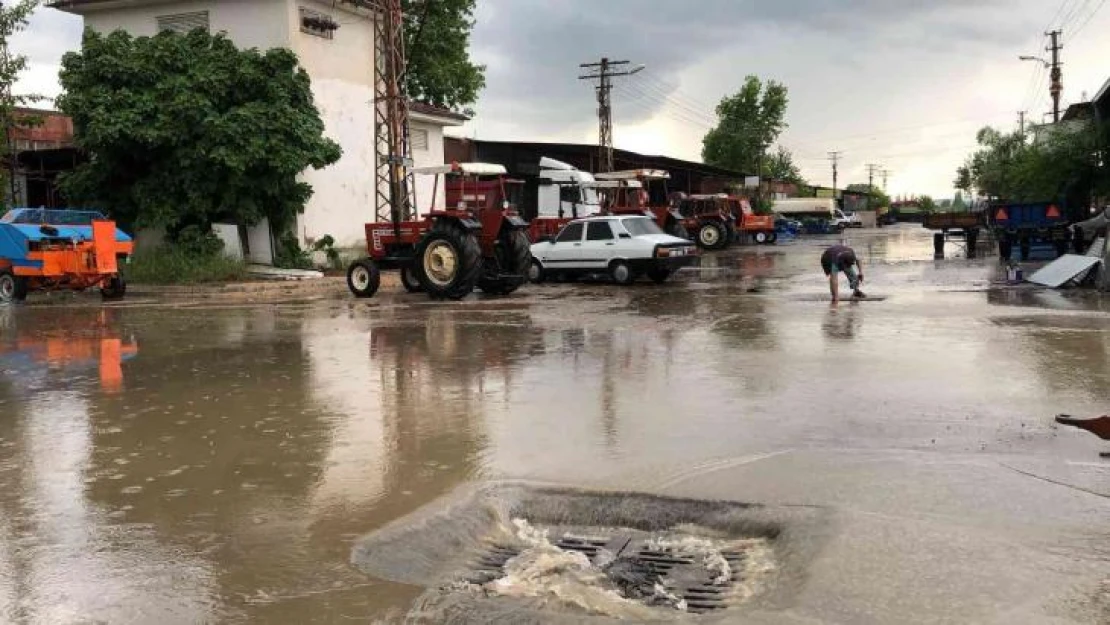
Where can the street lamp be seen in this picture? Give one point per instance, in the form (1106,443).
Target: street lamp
(1035,58)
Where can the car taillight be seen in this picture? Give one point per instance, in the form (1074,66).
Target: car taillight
(663,252)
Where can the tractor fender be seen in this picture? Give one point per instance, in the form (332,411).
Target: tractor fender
(466,223)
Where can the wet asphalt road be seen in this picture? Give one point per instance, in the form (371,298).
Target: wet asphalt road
(218,462)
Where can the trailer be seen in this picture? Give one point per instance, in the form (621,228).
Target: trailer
(47,249)
(1028,225)
(955,225)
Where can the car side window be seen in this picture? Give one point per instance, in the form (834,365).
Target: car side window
(573,232)
(599,231)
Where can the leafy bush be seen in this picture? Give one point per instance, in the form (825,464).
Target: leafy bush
(289,254)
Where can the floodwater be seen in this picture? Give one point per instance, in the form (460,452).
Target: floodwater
(224,462)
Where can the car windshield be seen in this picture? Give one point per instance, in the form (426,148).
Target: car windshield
(640,226)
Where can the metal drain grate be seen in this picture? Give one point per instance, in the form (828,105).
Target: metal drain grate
(637,569)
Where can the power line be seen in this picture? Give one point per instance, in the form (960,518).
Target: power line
(1075,33)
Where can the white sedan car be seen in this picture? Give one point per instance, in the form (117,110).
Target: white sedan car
(622,246)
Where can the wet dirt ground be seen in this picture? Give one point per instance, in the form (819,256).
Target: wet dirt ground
(219,462)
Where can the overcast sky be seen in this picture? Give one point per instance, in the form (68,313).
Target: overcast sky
(901,83)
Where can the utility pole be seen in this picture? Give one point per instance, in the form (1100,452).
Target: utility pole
(886,174)
(1056,78)
(872,169)
(835,158)
(603,73)
(1021,122)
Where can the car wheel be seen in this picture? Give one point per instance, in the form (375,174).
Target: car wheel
(536,272)
(364,278)
(621,272)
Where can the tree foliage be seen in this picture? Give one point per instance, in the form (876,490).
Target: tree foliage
(1007,166)
(437,41)
(749,122)
(780,166)
(878,199)
(13,19)
(185,130)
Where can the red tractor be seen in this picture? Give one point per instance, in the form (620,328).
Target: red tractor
(478,241)
(632,197)
(710,218)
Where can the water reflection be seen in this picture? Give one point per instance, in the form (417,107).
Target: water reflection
(841,323)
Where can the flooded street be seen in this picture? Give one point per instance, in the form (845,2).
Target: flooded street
(222,462)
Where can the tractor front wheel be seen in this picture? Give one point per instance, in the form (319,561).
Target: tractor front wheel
(410,280)
(450,261)
(514,260)
(12,288)
(364,278)
(115,288)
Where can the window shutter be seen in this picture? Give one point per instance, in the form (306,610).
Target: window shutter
(183,22)
(419,139)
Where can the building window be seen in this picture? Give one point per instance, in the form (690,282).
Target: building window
(318,24)
(183,22)
(419,139)
(22,145)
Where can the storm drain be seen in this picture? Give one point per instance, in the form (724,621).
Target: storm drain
(673,571)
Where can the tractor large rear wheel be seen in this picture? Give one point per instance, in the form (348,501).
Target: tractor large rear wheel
(712,236)
(450,261)
(514,259)
(12,288)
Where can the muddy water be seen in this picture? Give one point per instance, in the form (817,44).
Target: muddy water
(220,463)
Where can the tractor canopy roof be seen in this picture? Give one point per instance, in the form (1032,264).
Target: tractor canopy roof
(635,174)
(463,169)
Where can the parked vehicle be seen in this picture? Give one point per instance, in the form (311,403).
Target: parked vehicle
(818,215)
(710,218)
(642,192)
(853,220)
(624,247)
(761,228)
(1027,225)
(44,249)
(949,225)
(561,193)
(478,241)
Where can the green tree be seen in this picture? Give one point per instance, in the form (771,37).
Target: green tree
(927,203)
(13,19)
(958,203)
(780,166)
(185,130)
(878,198)
(1058,164)
(437,41)
(749,122)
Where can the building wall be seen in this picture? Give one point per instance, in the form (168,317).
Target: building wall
(427,157)
(55,131)
(250,23)
(342,70)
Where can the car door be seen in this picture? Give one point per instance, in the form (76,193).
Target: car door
(600,244)
(566,251)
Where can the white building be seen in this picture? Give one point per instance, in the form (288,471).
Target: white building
(340,64)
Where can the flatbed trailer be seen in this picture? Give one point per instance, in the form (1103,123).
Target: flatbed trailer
(952,225)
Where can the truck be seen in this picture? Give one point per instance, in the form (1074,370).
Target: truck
(561,193)
(819,215)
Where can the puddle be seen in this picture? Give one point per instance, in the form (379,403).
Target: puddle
(525,554)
